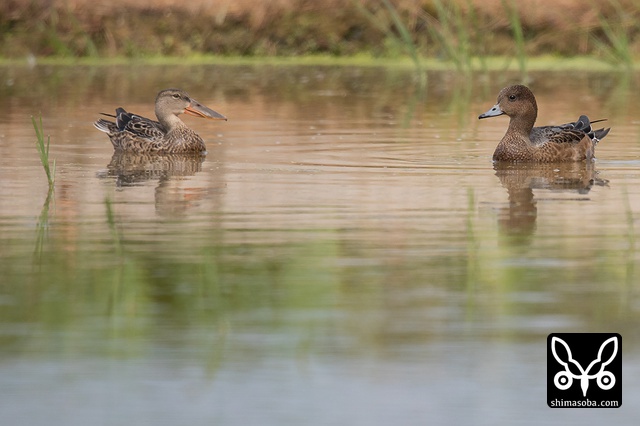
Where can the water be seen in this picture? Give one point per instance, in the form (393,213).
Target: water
(345,254)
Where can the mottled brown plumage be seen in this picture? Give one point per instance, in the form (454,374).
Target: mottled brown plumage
(547,144)
(133,133)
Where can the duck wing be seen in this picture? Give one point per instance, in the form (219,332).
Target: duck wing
(139,126)
(571,133)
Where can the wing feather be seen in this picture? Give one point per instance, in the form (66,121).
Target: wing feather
(568,133)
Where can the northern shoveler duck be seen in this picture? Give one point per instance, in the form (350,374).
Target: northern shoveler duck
(547,144)
(133,133)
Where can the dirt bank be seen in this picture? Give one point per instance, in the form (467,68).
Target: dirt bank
(296,27)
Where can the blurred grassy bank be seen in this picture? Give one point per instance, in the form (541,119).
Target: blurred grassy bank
(460,32)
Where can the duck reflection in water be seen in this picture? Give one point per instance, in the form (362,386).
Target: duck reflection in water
(175,192)
(518,219)
(134,169)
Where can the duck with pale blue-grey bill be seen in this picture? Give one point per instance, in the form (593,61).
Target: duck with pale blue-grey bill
(547,144)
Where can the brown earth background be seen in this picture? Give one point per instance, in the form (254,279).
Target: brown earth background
(441,29)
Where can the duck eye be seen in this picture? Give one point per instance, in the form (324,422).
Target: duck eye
(512,97)
(176,96)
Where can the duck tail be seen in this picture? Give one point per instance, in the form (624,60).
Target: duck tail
(599,134)
(584,124)
(104,126)
(121,116)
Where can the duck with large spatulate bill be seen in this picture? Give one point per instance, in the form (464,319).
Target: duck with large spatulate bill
(137,134)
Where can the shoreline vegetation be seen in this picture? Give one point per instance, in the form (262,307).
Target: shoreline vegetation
(425,34)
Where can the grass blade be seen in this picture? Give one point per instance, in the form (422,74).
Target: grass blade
(409,44)
(43,151)
(618,48)
(518,34)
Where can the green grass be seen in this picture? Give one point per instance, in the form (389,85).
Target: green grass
(518,34)
(452,33)
(43,150)
(617,48)
(407,40)
(461,32)
(404,39)
(585,63)
(409,44)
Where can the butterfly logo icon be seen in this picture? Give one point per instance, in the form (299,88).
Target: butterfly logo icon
(564,378)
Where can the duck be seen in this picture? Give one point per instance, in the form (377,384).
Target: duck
(136,134)
(523,142)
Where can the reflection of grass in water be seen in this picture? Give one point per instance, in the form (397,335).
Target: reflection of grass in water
(472,242)
(418,96)
(42,227)
(43,150)
(202,301)
(461,102)
(111,221)
(620,96)
(631,236)
(126,276)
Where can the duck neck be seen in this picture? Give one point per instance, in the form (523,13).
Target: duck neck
(521,125)
(169,121)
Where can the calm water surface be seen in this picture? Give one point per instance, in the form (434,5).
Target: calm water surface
(346,253)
